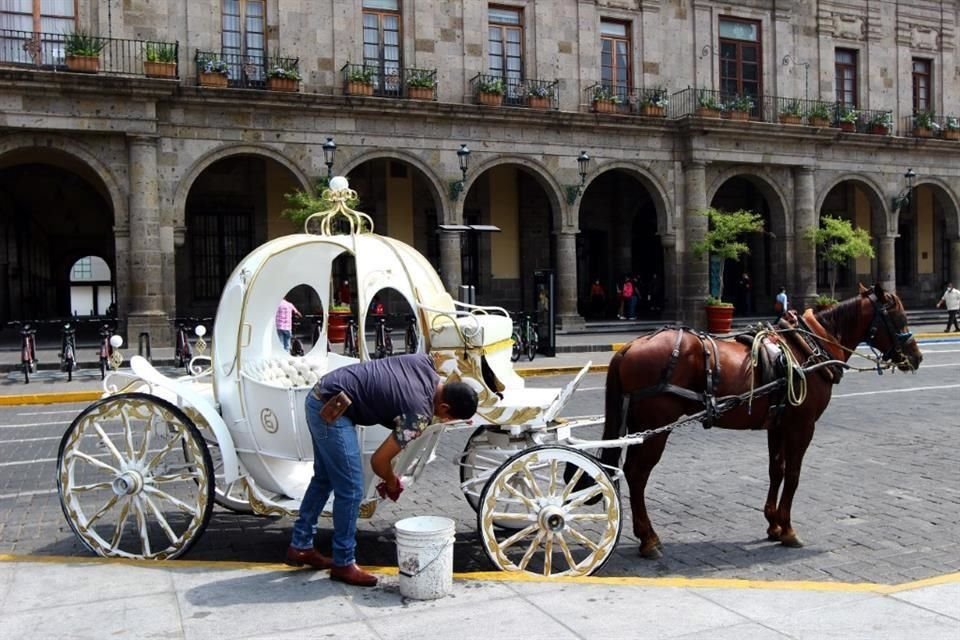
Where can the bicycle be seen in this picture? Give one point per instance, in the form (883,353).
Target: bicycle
(411,339)
(296,345)
(351,348)
(28,349)
(525,338)
(68,349)
(383,344)
(106,349)
(181,353)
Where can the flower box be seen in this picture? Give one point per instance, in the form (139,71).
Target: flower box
(922,132)
(604,106)
(817,121)
(707,112)
(653,111)
(538,102)
(879,130)
(849,127)
(83,64)
(740,116)
(951,134)
(159,69)
(491,99)
(790,118)
(282,84)
(355,88)
(420,93)
(213,80)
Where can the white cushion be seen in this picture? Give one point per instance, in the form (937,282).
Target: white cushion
(285,372)
(478,330)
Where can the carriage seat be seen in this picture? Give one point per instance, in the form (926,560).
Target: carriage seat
(472,330)
(286,372)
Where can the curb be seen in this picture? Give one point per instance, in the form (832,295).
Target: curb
(50,398)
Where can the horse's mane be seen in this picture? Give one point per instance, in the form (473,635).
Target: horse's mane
(845,314)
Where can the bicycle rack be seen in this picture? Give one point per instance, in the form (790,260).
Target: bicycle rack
(144,341)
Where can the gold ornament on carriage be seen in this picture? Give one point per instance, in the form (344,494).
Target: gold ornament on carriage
(339,219)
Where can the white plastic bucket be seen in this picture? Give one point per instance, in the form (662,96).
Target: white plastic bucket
(425,556)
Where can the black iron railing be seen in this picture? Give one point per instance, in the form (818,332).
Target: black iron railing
(114,56)
(930,125)
(874,121)
(609,98)
(389,81)
(712,103)
(494,90)
(243,71)
(798,111)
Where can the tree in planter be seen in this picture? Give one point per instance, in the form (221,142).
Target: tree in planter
(838,242)
(303,204)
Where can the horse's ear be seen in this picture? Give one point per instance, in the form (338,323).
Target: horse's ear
(863,290)
(878,291)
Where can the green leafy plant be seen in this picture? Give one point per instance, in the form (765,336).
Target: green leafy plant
(952,124)
(848,116)
(823,300)
(723,238)
(923,120)
(493,85)
(212,64)
(820,110)
(707,100)
(713,301)
(303,204)
(161,52)
(540,91)
(838,242)
(740,103)
(883,119)
(82,43)
(791,108)
(363,75)
(340,308)
(283,68)
(603,94)
(655,98)
(421,79)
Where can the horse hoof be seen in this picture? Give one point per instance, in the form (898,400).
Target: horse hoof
(651,553)
(791,541)
(773,535)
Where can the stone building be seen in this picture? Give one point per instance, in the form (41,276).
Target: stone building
(166,182)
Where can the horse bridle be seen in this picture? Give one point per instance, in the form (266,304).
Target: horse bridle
(899,338)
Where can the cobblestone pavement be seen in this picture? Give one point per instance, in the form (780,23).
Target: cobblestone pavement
(879,496)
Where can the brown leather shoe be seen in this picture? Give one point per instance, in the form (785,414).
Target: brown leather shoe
(352,574)
(299,557)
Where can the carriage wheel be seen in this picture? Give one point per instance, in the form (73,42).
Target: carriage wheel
(481,457)
(231,496)
(127,487)
(556,532)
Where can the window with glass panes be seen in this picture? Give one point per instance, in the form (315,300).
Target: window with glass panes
(740,55)
(845,63)
(921,85)
(381,42)
(505,45)
(615,57)
(53,18)
(219,238)
(244,38)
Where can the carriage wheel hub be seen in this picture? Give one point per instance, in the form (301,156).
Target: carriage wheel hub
(552,519)
(127,483)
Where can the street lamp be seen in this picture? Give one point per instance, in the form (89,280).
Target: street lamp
(463,159)
(583,160)
(902,199)
(329,151)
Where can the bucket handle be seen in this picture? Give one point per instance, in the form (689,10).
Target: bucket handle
(427,566)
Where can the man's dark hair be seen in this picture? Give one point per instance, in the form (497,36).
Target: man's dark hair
(461,398)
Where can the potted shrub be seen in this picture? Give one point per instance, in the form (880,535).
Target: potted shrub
(847,120)
(212,72)
(791,113)
(839,242)
(421,85)
(739,108)
(82,51)
(360,81)
(723,241)
(160,60)
(819,115)
(337,327)
(539,96)
(282,75)
(654,104)
(491,92)
(707,105)
(881,124)
(951,129)
(824,302)
(923,124)
(604,101)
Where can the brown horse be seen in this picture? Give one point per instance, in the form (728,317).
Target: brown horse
(661,377)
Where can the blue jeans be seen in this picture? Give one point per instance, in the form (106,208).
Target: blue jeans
(337,467)
(284,336)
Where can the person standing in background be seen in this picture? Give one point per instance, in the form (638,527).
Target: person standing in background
(951,298)
(284,322)
(782,303)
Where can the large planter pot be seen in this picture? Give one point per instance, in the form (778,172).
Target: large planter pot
(719,318)
(160,69)
(491,99)
(283,84)
(741,116)
(218,80)
(359,88)
(849,127)
(420,93)
(816,121)
(604,106)
(707,112)
(83,64)
(789,118)
(653,111)
(951,134)
(922,132)
(538,102)
(337,331)
(879,130)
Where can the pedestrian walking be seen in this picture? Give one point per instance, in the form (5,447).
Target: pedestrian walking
(626,296)
(951,298)
(746,294)
(598,298)
(782,303)
(284,322)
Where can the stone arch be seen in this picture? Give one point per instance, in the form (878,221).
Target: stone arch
(945,192)
(226,151)
(665,221)
(428,172)
(768,187)
(873,190)
(540,173)
(78,151)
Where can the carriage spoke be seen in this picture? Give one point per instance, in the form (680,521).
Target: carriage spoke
(527,502)
(163,495)
(80,488)
(161,520)
(588,517)
(183,475)
(519,535)
(525,560)
(163,452)
(548,554)
(582,538)
(145,445)
(128,436)
(112,501)
(94,461)
(531,482)
(121,522)
(566,551)
(554,466)
(142,527)
(573,483)
(514,517)
(108,443)
(583,496)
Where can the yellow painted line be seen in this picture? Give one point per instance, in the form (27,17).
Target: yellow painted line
(503,576)
(530,372)
(50,398)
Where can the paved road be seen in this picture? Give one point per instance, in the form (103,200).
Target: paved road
(879,498)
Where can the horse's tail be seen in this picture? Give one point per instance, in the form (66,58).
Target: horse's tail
(613,408)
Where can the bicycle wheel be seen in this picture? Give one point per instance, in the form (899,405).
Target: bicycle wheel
(517,347)
(410,340)
(532,342)
(103,367)
(388,344)
(68,363)
(26,372)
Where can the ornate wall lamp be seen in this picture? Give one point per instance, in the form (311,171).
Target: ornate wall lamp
(329,152)
(574,191)
(902,199)
(463,159)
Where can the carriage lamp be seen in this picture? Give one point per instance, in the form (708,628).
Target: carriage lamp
(463,158)
(201,344)
(116,358)
(329,152)
(574,192)
(338,183)
(902,199)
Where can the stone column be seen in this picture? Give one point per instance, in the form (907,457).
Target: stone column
(696,269)
(146,268)
(805,252)
(566,284)
(671,282)
(886,264)
(450,262)
(955,262)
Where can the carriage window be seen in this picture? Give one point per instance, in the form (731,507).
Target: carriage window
(392,327)
(299,320)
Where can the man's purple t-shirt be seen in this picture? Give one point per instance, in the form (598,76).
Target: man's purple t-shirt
(396,392)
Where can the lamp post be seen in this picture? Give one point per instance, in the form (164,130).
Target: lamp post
(574,192)
(902,199)
(329,152)
(463,159)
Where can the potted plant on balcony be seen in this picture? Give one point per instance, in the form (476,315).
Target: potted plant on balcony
(951,128)
(160,60)
(360,81)
(82,51)
(819,115)
(707,105)
(539,96)
(490,92)
(212,72)
(791,112)
(654,103)
(739,108)
(881,124)
(604,101)
(847,120)
(421,85)
(723,241)
(282,75)
(923,124)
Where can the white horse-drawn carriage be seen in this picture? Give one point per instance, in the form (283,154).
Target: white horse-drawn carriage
(139,470)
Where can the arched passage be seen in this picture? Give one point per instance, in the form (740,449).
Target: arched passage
(859,202)
(926,247)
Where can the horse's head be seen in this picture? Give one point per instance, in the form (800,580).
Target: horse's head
(887,331)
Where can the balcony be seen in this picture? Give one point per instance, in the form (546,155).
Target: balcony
(89,54)
(929,125)
(493,90)
(389,81)
(615,98)
(241,71)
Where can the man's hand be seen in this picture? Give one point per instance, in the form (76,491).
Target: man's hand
(390,490)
